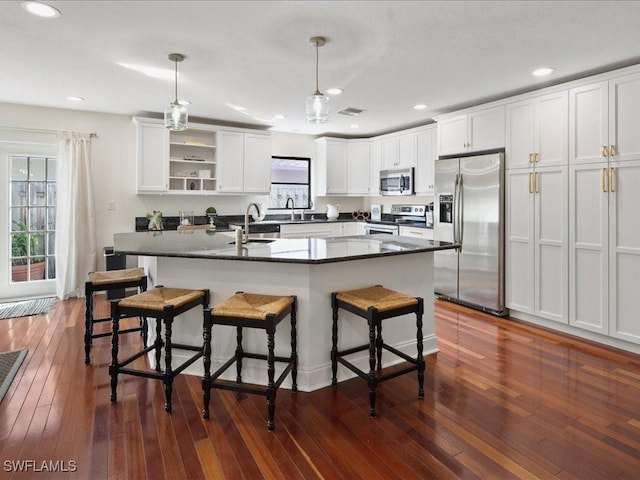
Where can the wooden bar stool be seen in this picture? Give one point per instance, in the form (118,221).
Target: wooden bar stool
(376,304)
(104,282)
(253,311)
(163,304)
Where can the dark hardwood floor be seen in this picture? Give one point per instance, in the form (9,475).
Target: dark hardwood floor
(502,400)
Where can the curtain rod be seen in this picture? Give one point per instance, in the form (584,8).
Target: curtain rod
(42,130)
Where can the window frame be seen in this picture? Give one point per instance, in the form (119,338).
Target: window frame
(309,203)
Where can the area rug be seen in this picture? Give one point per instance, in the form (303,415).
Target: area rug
(9,364)
(26,308)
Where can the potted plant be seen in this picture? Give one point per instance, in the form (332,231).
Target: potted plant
(22,245)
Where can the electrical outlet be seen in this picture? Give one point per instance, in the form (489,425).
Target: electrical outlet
(111,205)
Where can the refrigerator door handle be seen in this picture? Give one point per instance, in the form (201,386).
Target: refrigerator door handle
(460,212)
(455,211)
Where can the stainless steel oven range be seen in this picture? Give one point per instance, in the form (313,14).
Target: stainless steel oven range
(401,215)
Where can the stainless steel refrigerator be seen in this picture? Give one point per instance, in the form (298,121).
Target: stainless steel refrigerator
(469,209)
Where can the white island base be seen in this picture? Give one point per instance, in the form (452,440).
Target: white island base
(411,274)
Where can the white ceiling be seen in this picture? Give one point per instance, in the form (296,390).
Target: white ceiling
(386,55)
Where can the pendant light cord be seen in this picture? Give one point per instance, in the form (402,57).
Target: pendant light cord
(176,78)
(317,90)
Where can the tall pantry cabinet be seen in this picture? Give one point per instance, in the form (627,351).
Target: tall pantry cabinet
(537,206)
(604,189)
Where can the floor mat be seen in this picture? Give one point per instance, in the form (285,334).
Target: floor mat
(9,364)
(26,308)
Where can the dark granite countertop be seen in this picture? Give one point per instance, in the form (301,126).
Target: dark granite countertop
(214,245)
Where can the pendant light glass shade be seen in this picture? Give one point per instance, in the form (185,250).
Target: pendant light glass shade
(317,105)
(317,110)
(176,115)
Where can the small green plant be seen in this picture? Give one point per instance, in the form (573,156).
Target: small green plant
(22,244)
(210,211)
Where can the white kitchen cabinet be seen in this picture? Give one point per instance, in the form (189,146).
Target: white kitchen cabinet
(477,130)
(605,248)
(537,242)
(425,233)
(589,247)
(331,166)
(624,249)
(310,230)
(425,159)
(603,121)
(230,161)
(536,131)
(399,151)
(376,166)
(351,228)
(257,163)
(152,156)
(359,167)
(193,161)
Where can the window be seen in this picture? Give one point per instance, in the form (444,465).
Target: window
(32,208)
(290,178)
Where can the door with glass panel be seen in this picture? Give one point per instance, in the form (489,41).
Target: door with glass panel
(29,212)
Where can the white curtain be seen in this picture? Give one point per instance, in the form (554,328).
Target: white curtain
(75,215)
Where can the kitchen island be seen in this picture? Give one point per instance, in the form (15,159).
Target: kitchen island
(309,268)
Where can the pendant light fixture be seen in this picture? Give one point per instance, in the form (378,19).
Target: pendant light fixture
(317,105)
(175,115)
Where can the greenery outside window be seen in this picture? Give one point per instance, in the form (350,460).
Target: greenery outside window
(32,211)
(290,178)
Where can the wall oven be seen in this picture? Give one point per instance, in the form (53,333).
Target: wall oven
(396,182)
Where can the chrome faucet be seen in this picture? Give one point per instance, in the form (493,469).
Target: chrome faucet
(245,238)
(286,205)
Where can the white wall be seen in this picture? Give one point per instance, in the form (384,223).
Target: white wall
(114,169)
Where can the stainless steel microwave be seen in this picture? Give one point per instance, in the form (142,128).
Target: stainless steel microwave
(397,182)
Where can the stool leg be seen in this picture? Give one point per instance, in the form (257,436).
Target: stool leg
(372,379)
(145,329)
(294,348)
(334,340)
(113,366)
(420,358)
(239,355)
(206,356)
(271,391)
(379,343)
(158,343)
(168,371)
(88,320)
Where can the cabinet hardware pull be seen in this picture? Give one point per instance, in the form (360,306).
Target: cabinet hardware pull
(611,180)
(537,189)
(531,158)
(535,157)
(530,182)
(612,150)
(603,152)
(603,183)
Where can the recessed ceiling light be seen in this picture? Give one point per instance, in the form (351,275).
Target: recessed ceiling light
(354,125)
(420,106)
(278,117)
(41,9)
(334,91)
(541,72)
(75,99)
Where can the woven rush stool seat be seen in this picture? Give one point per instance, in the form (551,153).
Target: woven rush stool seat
(163,304)
(253,311)
(375,304)
(105,281)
